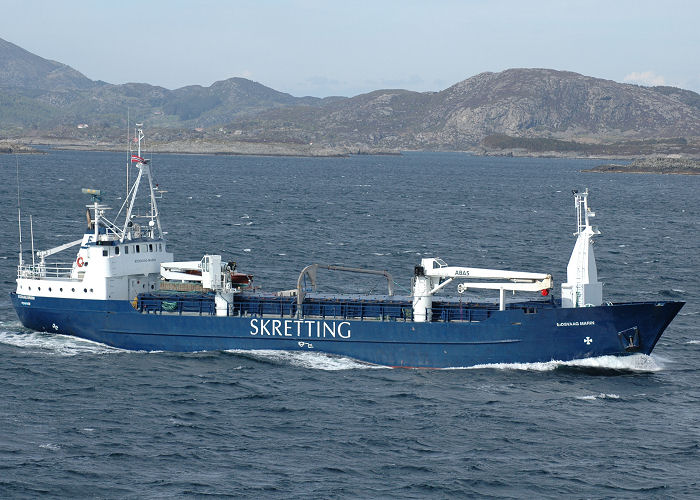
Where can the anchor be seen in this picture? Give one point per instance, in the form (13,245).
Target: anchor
(629,339)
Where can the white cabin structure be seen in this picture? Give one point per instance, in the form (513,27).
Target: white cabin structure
(113,262)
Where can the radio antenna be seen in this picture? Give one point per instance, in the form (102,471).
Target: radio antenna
(31,231)
(19,213)
(128,150)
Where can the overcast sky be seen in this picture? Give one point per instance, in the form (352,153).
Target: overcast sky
(322,48)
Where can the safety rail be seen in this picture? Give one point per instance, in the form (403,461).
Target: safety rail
(353,309)
(58,270)
(447,312)
(356,309)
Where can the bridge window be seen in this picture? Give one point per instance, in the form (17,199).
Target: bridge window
(150,247)
(105,253)
(138,249)
(126,249)
(116,250)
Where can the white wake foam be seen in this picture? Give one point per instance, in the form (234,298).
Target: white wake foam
(311,360)
(61,345)
(633,363)
(594,397)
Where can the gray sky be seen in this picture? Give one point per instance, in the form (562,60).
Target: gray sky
(321,48)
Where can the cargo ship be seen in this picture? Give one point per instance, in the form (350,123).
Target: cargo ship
(124,289)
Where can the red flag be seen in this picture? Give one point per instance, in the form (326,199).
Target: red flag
(137,159)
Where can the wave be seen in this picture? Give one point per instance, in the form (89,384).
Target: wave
(602,395)
(633,363)
(61,345)
(310,360)
(330,362)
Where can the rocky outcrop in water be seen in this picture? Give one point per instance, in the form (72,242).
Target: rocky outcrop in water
(652,166)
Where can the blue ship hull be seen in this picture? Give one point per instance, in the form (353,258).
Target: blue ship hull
(516,335)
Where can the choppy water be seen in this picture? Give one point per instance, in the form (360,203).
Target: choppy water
(78,419)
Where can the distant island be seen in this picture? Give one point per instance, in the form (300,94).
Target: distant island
(682,166)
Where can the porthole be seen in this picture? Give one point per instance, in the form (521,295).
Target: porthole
(39,288)
(152,287)
(72,289)
(85,290)
(49,289)
(91,290)
(30,288)
(60,289)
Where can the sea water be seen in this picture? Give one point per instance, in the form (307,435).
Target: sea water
(79,419)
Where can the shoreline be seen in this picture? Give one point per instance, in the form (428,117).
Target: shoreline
(280,149)
(238,148)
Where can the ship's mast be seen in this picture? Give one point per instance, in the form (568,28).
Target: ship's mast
(582,287)
(144,168)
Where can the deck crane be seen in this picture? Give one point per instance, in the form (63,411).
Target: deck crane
(433,274)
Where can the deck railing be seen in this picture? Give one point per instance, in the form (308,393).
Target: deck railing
(55,270)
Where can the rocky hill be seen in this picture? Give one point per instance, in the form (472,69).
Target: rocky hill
(518,103)
(41,95)
(20,68)
(48,99)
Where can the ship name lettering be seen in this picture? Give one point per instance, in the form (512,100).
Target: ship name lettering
(290,327)
(460,272)
(576,323)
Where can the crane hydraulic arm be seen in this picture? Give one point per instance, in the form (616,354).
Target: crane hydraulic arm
(434,274)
